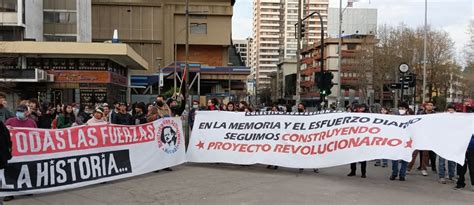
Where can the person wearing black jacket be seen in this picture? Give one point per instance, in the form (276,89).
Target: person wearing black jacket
(140,115)
(123,118)
(5,148)
(176,109)
(45,121)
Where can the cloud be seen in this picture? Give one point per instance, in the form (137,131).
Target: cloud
(450,15)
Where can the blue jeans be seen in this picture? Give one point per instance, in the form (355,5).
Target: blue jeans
(442,168)
(403,168)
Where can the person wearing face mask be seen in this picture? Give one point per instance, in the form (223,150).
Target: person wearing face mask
(301,107)
(176,109)
(401,173)
(192,113)
(85,114)
(123,117)
(212,104)
(21,119)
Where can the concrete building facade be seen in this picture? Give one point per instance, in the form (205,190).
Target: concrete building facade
(243,49)
(362,21)
(351,72)
(274,33)
(46,20)
(156,29)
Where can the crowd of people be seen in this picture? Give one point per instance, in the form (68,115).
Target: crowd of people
(33,114)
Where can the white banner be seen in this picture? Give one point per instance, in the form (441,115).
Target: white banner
(53,160)
(324,140)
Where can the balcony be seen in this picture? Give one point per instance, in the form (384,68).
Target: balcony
(307,83)
(8,18)
(349,53)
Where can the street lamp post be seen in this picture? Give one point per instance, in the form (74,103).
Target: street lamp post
(339,56)
(424,51)
(229,79)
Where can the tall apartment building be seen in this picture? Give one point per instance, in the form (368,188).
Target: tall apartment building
(361,21)
(46,20)
(243,49)
(274,33)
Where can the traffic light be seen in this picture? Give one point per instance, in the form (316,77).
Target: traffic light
(325,83)
(303,30)
(319,79)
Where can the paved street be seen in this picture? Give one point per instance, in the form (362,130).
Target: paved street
(233,184)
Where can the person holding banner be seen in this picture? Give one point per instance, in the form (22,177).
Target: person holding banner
(442,162)
(21,119)
(302,108)
(402,110)
(383,162)
(98,118)
(469,162)
(123,117)
(5,149)
(429,109)
(361,108)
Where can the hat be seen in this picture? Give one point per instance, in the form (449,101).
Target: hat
(404,105)
(99,110)
(21,108)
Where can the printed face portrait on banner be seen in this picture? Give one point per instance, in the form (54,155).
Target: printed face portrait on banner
(168,136)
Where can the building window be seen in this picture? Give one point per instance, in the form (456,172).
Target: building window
(60,38)
(8,6)
(351,46)
(198,16)
(59,17)
(198,28)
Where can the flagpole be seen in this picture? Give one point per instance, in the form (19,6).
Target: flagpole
(339,91)
(424,51)
(187,97)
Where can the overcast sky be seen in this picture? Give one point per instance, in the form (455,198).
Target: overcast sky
(450,15)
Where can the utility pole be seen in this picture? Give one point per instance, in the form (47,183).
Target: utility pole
(187,98)
(424,52)
(339,56)
(298,52)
